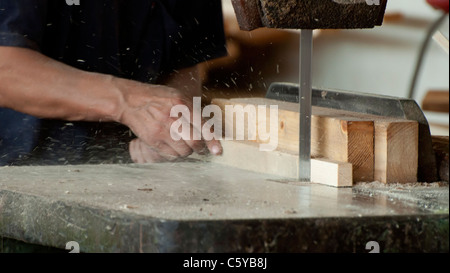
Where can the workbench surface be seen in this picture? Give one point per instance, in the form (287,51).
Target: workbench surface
(205,207)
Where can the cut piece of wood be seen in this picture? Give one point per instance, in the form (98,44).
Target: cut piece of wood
(350,137)
(247,155)
(396,151)
(345,140)
(339,137)
(331,173)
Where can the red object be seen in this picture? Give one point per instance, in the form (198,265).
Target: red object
(439,4)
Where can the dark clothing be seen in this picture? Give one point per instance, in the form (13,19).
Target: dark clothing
(135,39)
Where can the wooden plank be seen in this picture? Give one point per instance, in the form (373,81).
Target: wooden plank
(331,173)
(346,140)
(246,155)
(396,147)
(350,137)
(396,150)
(334,136)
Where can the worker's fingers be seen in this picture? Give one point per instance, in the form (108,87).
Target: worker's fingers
(202,147)
(152,122)
(214,147)
(164,150)
(141,153)
(177,148)
(171,143)
(161,152)
(186,141)
(151,155)
(190,137)
(135,154)
(156,133)
(197,146)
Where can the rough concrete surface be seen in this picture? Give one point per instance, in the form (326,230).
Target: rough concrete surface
(204,207)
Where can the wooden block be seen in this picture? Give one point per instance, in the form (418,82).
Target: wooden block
(396,151)
(246,155)
(347,136)
(345,140)
(335,136)
(331,173)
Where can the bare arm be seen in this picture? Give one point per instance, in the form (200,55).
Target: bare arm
(37,85)
(40,86)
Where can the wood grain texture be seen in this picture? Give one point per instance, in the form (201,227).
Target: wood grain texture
(396,151)
(345,140)
(379,148)
(335,135)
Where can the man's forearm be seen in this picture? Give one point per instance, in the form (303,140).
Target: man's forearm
(40,86)
(34,84)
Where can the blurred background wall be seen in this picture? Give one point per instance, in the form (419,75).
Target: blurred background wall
(380,61)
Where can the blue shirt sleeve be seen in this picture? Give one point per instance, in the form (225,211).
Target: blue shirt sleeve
(22,23)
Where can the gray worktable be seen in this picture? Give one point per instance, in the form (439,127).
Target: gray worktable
(206,207)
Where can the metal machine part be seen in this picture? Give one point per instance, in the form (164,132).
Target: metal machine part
(305,96)
(308,15)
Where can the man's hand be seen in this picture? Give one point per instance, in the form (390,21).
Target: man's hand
(74,95)
(146,111)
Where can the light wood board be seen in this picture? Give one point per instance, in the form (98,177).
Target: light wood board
(246,155)
(396,151)
(379,148)
(336,137)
